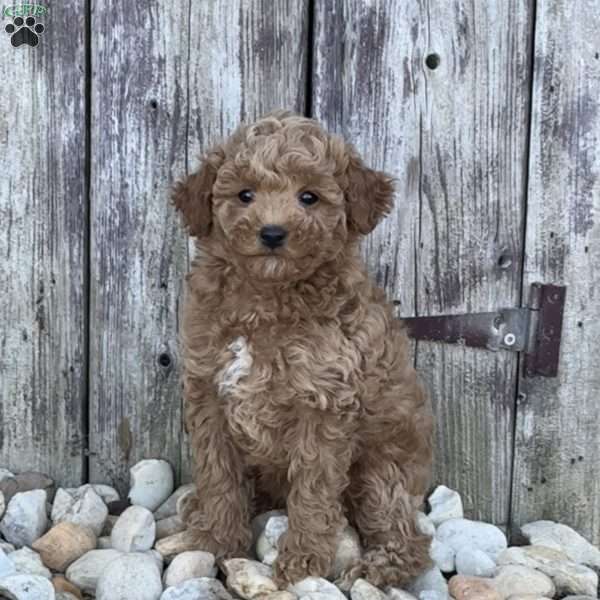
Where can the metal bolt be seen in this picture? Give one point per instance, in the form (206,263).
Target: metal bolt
(510,339)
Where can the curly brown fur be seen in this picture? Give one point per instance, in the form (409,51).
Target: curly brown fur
(298,383)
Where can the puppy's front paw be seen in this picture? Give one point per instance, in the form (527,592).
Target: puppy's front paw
(292,566)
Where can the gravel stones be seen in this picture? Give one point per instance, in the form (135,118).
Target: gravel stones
(64,544)
(26,587)
(203,588)
(568,576)
(169,507)
(83,507)
(460,533)
(363,590)
(25,519)
(249,578)
(85,571)
(134,531)
(445,504)
(132,577)
(151,483)
(563,538)
(189,565)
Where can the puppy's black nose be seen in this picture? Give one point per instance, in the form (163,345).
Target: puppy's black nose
(273,236)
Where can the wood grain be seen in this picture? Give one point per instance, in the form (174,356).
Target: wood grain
(43,212)
(246,59)
(557,451)
(138,253)
(454,135)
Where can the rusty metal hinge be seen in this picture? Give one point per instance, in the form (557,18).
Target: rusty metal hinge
(535,329)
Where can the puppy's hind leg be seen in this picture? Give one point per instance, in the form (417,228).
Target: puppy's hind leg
(384,512)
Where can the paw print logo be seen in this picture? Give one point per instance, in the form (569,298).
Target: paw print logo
(24,31)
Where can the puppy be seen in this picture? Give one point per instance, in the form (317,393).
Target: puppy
(299,387)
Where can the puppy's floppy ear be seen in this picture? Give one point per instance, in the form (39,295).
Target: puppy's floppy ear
(369,194)
(193,196)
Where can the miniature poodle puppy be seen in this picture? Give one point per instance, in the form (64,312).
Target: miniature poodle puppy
(299,387)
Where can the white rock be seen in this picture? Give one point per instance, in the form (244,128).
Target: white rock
(106,492)
(442,555)
(2,504)
(259,522)
(204,588)
(189,565)
(561,537)
(316,585)
(397,594)
(348,552)
(533,597)
(65,596)
(26,587)
(511,580)
(459,533)
(281,595)
(249,578)
(266,544)
(151,483)
(156,556)
(130,577)
(104,542)
(431,580)
(134,531)
(445,504)
(169,507)
(6,566)
(363,590)
(85,571)
(25,519)
(6,547)
(318,596)
(568,576)
(474,562)
(28,562)
(424,524)
(83,507)
(433,595)
(275,528)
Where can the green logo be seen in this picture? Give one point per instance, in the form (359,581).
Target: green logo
(25,10)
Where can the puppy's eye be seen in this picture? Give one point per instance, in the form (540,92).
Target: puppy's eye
(308,198)
(246,196)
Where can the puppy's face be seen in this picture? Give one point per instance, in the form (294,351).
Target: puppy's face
(282,197)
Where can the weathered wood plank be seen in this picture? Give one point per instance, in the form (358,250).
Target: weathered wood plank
(247,57)
(474,128)
(454,134)
(557,455)
(43,211)
(138,254)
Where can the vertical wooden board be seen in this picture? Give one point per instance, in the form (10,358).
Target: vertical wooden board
(474,130)
(366,87)
(138,253)
(43,212)
(247,57)
(557,454)
(454,134)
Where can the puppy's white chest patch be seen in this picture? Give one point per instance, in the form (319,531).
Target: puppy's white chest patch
(228,377)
